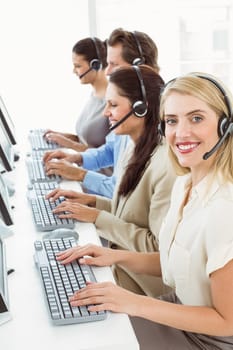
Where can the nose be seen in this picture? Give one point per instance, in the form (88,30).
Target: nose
(106,112)
(183,128)
(108,70)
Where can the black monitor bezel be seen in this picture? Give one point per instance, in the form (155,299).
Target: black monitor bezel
(5,209)
(5,314)
(6,121)
(6,150)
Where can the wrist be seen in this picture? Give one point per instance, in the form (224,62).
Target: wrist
(81,174)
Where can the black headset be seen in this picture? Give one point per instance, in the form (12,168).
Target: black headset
(138,60)
(139,107)
(96,63)
(225,124)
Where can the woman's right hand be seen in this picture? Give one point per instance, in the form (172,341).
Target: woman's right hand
(89,254)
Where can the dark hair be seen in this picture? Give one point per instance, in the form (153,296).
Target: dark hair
(130,48)
(87,48)
(128,85)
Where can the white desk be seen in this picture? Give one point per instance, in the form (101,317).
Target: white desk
(30,326)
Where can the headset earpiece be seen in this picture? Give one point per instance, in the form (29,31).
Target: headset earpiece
(140,107)
(138,61)
(95,64)
(161,128)
(223,125)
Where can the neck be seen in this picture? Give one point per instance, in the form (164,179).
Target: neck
(100,84)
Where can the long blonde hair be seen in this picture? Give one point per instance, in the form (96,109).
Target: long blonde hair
(195,84)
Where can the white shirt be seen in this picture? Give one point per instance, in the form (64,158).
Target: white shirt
(197,239)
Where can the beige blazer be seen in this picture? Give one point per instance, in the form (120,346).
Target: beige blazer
(133,222)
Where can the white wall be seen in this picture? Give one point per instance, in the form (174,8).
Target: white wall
(36,79)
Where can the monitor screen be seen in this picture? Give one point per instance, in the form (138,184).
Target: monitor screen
(4,302)
(5,208)
(7,123)
(6,151)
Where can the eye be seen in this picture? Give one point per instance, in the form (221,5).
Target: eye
(113,104)
(170,121)
(197,118)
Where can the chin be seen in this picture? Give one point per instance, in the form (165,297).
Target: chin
(183,162)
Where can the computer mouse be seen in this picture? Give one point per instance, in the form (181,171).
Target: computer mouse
(62,233)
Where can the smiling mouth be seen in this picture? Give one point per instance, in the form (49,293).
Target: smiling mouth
(187,147)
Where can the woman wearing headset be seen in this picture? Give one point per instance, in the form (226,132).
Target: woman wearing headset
(132,219)
(89,61)
(195,255)
(124,48)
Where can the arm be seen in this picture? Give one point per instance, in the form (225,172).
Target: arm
(100,184)
(216,320)
(141,263)
(65,140)
(101,157)
(139,224)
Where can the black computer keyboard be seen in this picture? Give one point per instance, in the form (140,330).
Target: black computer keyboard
(38,142)
(59,282)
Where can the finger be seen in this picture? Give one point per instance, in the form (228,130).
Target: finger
(52,194)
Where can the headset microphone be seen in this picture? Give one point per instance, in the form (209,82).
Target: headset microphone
(121,121)
(94,65)
(229,131)
(83,75)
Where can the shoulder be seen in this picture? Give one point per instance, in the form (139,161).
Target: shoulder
(160,160)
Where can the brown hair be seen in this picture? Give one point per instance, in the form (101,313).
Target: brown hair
(130,49)
(92,48)
(128,85)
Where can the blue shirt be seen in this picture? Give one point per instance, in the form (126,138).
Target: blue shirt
(104,156)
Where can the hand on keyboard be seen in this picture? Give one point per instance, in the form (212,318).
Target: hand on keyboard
(60,282)
(65,169)
(72,158)
(73,196)
(89,254)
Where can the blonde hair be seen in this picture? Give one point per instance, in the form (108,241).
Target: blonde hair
(197,84)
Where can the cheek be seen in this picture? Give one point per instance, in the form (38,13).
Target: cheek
(170,136)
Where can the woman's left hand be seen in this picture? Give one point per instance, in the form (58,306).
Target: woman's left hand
(71,210)
(107,296)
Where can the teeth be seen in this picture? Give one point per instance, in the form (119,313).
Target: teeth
(186,147)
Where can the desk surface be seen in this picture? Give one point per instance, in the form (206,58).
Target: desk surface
(30,325)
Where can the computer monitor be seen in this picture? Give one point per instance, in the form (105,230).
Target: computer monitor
(7,123)
(6,151)
(5,208)
(4,300)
